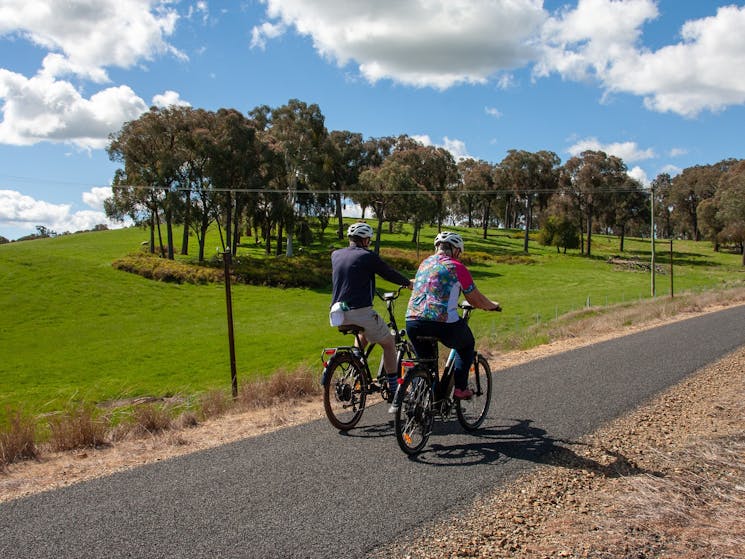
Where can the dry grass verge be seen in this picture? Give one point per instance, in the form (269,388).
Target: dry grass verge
(84,426)
(18,440)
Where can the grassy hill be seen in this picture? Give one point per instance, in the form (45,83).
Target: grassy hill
(74,328)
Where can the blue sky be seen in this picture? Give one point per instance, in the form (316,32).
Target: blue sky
(657,82)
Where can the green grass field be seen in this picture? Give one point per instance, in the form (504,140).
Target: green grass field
(72,328)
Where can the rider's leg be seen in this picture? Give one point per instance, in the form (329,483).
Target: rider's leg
(363,340)
(461,339)
(377,332)
(428,328)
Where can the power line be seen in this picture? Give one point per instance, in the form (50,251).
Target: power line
(356,191)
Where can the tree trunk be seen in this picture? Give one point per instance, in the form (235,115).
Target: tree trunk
(589,233)
(202,239)
(528,217)
(236,235)
(185,236)
(169,233)
(280,233)
(378,230)
(229,223)
(268,241)
(339,216)
(160,234)
(486,219)
(152,232)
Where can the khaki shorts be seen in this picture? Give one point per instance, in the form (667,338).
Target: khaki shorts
(375,327)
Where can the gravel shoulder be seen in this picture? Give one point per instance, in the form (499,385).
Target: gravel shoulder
(607,495)
(667,480)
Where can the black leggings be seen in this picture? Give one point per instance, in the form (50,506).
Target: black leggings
(456,335)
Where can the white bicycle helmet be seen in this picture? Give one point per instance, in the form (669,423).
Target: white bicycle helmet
(453,239)
(361,230)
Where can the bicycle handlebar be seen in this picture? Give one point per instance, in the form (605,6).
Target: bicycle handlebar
(465,305)
(389,295)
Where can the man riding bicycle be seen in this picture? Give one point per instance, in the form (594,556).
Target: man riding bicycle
(353,276)
(433,307)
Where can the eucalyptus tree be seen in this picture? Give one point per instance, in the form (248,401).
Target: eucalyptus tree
(533,177)
(439,174)
(202,200)
(383,187)
(345,161)
(661,190)
(299,131)
(133,202)
(466,195)
(690,188)
(234,165)
(434,174)
(374,153)
(477,190)
(627,209)
(709,221)
(730,199)
(148,149)
(591,177)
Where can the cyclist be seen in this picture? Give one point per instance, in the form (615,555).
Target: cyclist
(433,307)
(353,275)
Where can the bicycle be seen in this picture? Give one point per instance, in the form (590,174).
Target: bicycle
(346,377)
(425,394)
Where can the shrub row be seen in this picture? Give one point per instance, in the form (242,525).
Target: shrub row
(305,270)
(309,271)
(161,269)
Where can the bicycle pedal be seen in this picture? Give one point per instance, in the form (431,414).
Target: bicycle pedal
(373,387)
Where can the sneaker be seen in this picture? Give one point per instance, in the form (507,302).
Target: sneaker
(464,394)
(392,387)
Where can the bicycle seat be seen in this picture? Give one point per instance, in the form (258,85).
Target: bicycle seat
(350,329)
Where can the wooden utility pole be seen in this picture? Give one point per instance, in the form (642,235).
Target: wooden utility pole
(231,338)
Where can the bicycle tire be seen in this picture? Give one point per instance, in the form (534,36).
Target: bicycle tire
(471,413)
(415,413)
(344,392)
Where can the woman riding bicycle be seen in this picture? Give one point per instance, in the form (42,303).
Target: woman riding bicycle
(433,307)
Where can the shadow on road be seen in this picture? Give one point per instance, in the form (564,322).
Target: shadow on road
(519,439)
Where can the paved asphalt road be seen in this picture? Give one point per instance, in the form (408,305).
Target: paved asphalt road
(310,491)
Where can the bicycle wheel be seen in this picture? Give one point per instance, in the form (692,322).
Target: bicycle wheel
(344,392)
(415,414)
(471,413)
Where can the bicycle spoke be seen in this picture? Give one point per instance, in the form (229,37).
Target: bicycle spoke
(471,413)
(413,422)
(344,393)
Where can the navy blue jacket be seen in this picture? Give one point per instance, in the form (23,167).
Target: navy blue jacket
(353,274)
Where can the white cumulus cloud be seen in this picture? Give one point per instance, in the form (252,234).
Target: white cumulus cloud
(639,174)
(603,40)
(26,213)
(456,147)
(85,37)
(628,151)
(42,109)
(170,99)
(424,43)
